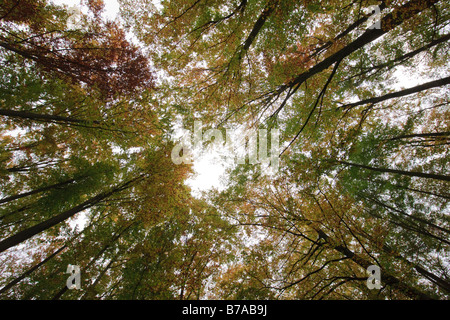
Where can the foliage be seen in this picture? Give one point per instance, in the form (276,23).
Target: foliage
(86,116)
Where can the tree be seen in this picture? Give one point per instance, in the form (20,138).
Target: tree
(96,54)
(85,140)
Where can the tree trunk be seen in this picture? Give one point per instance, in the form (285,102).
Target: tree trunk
(421,220)
(31,270)
(32,231)
(403,57)
(442,283)
(389,22)
(21,209)
(422,135)
(44,117)
(265,14)
(398,94)
(64,289)
(402,172)
(385,276)
(39,190)
(89,291)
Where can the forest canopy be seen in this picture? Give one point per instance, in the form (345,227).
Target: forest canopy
(358,176)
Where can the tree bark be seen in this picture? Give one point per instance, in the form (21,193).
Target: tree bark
(31,270)
(32,231)
(39,190)
(403,57)
(389,22)
(398,94)
(422,135)
(89,291)
(421,220)
(64,289)
(45,117)
(265,14)
(385,276)
(402,172)
(442,283)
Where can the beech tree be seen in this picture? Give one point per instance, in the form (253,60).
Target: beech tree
(86,116)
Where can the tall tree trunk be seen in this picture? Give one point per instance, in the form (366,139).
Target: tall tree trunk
(31,270)
(14,282)
(265,14)
(349,29)
(21,209)
(422,135)
(402,172)
(421,220)
(89,291)
(445,195)
(389,22)
(39,190)
(45,117)
(398,94)
(32,231)
(385,276)
(64,289)
(442,283)
(61,120)
(402,58)
(38,165)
